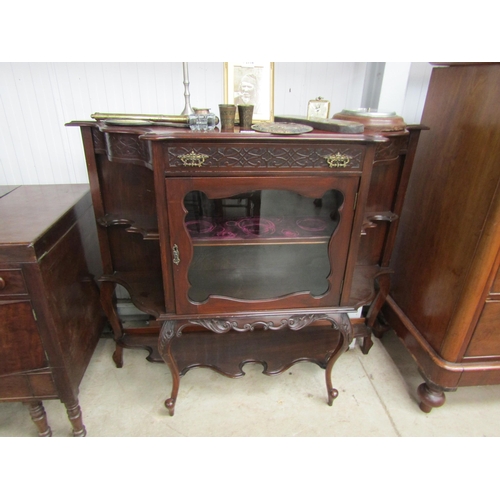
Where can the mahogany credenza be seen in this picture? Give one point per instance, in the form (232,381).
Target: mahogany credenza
(50,313)
(245,246)
(445,298)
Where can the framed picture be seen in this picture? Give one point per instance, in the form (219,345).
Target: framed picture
(318,108)
(251,83)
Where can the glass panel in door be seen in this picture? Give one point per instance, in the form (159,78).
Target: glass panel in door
(260,245)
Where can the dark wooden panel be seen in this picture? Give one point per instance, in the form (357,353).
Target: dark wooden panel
(484,374)
(42,385)
(486,338)
(28,216)
(128,192)
(383,185)
(72,295)
(454,179)
(49,253)
(11,282)
(372,244)
(226,351)
(14,387)
(20,345)
(27,385)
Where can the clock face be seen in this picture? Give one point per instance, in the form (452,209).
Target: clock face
(318,109)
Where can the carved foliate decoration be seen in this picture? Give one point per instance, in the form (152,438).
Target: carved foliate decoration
(289,157)
(128,148)
(223,325)
(167,333)
(99,141)
(392,149)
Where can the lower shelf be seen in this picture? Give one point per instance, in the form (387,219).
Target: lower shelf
(227,353)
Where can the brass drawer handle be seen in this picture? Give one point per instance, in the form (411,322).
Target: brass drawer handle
(175,251)
(2,283)
(337,160)
(193,159)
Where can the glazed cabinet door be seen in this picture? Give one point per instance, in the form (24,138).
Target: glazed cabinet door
(264,243)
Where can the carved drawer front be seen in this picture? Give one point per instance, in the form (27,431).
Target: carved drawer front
(184,159)
(126,148)
(392,149)
(12,282)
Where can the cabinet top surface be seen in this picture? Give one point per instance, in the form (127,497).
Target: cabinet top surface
(29,212)
(162,133)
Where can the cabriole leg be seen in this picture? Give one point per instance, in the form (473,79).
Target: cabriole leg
(167,333)
(343,325)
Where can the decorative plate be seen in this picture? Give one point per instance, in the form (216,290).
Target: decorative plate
(282,128)
(128,122)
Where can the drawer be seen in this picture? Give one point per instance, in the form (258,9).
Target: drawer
(21,347)
(202,158)
(26,386)
(12,282)
(486,338)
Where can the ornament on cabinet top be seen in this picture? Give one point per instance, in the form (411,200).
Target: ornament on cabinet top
(318,108)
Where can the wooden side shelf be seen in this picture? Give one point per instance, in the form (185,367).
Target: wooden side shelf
(146,291)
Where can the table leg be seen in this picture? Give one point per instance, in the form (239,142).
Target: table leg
(167,333)
(430,397)
(39,417)
(75,417)
(343,325)
(109,307)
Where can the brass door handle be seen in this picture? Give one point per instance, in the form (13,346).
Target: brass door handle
(193,159)
(175,251)
(337,160)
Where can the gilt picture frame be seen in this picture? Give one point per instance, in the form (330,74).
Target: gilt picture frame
(251,83)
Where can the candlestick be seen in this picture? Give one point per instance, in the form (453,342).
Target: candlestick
(187,107)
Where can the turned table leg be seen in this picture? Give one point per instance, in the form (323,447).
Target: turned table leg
(39,418)
(75,417)
(430,396)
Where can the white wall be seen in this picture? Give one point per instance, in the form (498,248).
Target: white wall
(37,99)
(404,89)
